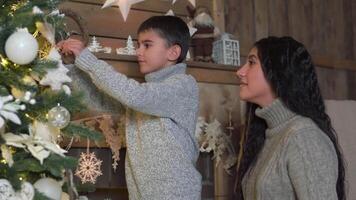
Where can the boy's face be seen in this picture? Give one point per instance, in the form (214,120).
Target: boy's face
(153,52)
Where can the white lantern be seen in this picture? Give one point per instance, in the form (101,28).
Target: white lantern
(21,47)
(49,187)
(226,51)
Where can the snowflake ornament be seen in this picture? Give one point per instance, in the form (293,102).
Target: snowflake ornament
(56,77)
(89,168)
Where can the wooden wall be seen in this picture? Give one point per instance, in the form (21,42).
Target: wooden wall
(326,27)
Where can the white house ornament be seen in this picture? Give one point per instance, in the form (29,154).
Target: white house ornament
(7,192)
(124,6)
(21,47)
(49,187)
(58,117)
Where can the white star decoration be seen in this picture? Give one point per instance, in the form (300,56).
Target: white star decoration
(124,5)
(56,77)
(170,13)
(192,29)
(89,168)
(191,1)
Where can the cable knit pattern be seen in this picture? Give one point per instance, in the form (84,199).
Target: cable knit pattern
(298,161)
(161,118)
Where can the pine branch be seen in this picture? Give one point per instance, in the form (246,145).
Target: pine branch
(49,99)
(41,66)
(73,130)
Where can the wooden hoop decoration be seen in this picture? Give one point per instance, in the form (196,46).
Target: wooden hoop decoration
(83,35)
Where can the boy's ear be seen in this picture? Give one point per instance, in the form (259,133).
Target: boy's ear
(174,52)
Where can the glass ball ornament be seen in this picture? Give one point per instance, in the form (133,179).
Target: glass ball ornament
(58,117)
(21,47)
(49,187)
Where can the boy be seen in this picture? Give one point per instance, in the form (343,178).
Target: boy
(162,112)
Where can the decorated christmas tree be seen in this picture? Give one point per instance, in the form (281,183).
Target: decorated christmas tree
(36,103)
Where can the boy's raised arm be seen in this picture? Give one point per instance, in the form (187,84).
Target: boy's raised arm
(161,99)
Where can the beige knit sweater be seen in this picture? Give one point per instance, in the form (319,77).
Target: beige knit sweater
(298,161)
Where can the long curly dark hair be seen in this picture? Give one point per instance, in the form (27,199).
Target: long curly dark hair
(288,68)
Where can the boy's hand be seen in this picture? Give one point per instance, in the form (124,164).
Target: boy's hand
(71,46)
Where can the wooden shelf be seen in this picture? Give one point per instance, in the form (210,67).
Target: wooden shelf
(202,72)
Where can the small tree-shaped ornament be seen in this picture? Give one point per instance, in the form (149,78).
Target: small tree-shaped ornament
(130,47)
(94,45)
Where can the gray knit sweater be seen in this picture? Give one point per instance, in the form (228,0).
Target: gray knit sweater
(161,120)
(298,161)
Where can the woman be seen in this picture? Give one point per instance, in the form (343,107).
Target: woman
(289,149)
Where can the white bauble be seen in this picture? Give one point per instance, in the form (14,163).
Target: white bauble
(21,47)
(59,117)
(49,187)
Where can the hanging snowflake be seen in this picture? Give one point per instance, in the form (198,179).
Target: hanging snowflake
(89,167)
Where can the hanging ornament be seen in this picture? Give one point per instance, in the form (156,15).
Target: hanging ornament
(21,47)
(89,167)
(56,77)
(58,117)
(27,191)
(124,5)
(49,187)
(129,49)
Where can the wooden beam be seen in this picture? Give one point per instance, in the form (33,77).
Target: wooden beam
(202,72)
(321,61)
(219,14)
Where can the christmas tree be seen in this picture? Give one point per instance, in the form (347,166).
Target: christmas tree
(36,101)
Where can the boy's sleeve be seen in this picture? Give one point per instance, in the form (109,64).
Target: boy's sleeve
(159,99)
(312,166)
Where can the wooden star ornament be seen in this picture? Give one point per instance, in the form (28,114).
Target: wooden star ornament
(124,5)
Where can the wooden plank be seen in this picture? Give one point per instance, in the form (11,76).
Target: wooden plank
(353,8)
(351,83)
(330,62)
(335,31)
(319,42)
(179,8)
(219,14)
(323,62)
(298,20)
(240,21)
(278,18)
(333,83)
(261,19)
(108,23)
(349,35)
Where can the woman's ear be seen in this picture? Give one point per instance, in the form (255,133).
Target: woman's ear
(174,52)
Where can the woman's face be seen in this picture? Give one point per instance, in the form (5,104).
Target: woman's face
(254,87)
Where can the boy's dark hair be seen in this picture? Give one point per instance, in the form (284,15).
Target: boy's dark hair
(173,29)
